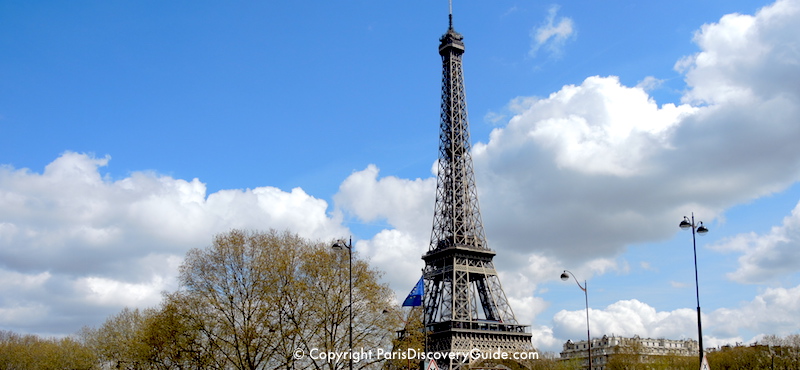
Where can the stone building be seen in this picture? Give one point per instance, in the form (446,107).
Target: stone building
(605,348)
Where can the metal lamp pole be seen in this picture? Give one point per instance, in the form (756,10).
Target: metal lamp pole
(565,276)
(339,245)
(699,229)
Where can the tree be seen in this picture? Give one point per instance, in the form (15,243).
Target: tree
(255,300)
(226,297)
(771,352)
(324,289)
(734,357)
(68,353)
(155,338)
(627,356)
(32,352)
(551,363)
(784,352)
(118,340)
(272,300)
(408,341)
(171,340)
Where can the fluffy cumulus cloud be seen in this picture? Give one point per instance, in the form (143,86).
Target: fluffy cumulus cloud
(407,205)
(398,254)
(598,157)
(626,318)
(603,165)
(76,245)
(774,311)
(745,58)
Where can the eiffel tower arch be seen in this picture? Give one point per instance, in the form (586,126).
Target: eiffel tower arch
(465,308)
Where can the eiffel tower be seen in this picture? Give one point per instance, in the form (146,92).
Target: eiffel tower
(465,306)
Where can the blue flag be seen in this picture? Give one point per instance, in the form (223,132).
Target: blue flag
(415,297)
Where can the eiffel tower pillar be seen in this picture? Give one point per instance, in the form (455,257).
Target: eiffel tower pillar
(465,307)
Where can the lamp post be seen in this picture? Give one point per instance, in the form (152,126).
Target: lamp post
(699,229)
(339,245)
(565,276)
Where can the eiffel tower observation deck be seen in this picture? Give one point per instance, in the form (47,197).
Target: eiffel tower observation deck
(465,307)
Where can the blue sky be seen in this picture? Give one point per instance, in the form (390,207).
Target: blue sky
(133,131)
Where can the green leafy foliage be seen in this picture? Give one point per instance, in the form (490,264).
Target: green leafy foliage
(23,352)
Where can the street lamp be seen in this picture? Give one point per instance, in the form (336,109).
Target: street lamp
(339,245)
(699,229)
(565,276)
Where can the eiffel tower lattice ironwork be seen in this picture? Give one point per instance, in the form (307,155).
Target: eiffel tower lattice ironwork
(465,306)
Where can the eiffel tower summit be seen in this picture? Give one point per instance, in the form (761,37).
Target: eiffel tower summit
(465,307)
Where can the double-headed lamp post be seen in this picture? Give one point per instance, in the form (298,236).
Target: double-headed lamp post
(339,245)
(565,276)
(696,229)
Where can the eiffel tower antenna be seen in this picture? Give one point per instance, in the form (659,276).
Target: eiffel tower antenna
(451,13)
(465,306)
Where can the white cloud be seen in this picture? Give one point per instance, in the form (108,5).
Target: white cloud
(544,341)
(598,166)
(746,57)
(649,83)
(772,312)
(552,34)
(646,266)
(600,127)
(766,257)
(405,204)
(626,318)
(397,254)
(73,240)
(677,284)
(596,157)
(110,292)
(631,317)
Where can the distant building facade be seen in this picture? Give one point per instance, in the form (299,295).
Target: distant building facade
(605,348)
